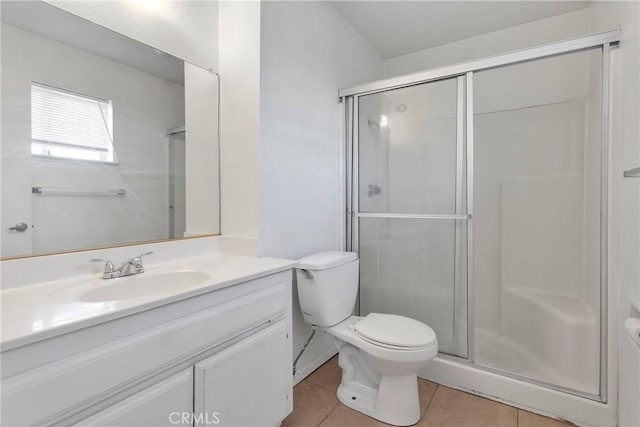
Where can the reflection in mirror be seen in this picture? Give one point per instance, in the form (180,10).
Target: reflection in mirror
(101,137)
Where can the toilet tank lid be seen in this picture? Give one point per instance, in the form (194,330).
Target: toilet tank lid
(326,260)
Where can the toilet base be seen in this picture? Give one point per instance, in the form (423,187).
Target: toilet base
(392,399)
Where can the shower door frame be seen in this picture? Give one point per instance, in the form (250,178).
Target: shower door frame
(465,71)
(171,134)
(462,98)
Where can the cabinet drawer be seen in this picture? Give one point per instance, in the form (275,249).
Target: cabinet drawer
(102,373)
(247,384)
(160,405)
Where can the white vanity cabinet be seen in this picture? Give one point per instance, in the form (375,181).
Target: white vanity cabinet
(254,385)
(148,408)
(220,358)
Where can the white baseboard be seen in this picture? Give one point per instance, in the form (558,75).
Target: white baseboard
(315,364)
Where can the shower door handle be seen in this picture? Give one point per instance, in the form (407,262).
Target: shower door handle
(461,217)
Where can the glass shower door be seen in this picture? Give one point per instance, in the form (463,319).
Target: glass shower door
(538,247)
(409,222)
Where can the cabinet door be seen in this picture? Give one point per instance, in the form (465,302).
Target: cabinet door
(162,404)
(247,384)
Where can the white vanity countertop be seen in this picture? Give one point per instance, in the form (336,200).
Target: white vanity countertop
(35,312)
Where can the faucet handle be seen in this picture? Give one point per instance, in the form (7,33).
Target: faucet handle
(108,264)
(138,259)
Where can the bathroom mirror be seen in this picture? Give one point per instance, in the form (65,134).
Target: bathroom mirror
(105,141)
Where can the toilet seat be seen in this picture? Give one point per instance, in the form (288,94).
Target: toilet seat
(345,331)
(394,332)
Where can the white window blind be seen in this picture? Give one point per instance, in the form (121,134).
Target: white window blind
(68,125)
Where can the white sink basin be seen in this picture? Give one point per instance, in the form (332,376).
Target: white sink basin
(143,285)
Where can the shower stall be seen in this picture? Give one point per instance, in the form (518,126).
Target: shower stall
(477,201)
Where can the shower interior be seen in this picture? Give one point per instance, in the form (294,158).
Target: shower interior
(475,204)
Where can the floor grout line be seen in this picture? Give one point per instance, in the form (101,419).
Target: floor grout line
(333,390)
(323,386)
(329,413)
(430,400)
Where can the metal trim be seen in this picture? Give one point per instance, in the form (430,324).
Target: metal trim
(172,190)
(514,57)
(348,135)
(88,192)
(459,285)
(514,376)
(459,145)
(342,173)
(178,129)
(411,216)
(470,287)
(632,173)
(604,223)
(355,203)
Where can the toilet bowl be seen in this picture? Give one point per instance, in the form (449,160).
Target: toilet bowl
(379,378)
(379,354)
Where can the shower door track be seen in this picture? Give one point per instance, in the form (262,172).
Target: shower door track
(552,49)
(349,101)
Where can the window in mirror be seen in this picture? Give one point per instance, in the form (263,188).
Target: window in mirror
(71,126)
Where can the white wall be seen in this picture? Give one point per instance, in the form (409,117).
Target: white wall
(239,54)
(307,53)
(201,151)
(145,107)
(625,192)
(535,33)
(186,29)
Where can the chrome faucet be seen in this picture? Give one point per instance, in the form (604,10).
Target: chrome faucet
(128,268)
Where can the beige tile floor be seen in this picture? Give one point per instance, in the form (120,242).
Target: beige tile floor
(315,404)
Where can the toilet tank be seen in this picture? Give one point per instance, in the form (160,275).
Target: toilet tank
(327,287)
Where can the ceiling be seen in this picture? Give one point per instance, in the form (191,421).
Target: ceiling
(399,27)
(53,23)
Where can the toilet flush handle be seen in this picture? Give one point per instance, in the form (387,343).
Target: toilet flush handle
(307,273)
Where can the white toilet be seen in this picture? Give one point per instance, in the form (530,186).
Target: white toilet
(380,354)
